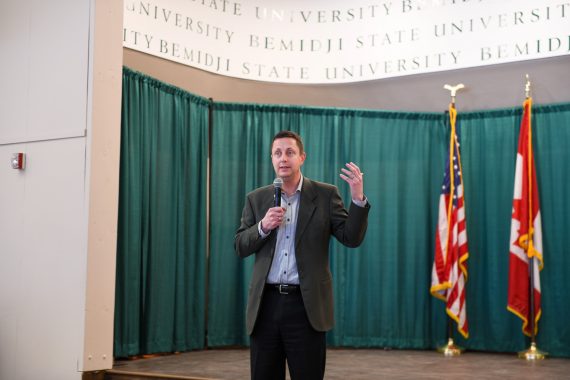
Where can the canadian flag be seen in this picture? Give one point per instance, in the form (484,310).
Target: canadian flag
(526,233)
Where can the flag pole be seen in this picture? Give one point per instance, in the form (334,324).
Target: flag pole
(450,348)
(532,353)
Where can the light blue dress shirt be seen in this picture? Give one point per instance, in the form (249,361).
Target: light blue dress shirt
(284,265)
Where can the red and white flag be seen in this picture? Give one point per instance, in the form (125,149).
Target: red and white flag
(526,232)
(449,273)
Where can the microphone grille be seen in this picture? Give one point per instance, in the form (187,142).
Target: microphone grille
(278,182)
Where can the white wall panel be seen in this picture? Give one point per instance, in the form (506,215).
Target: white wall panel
(43,219)
(43,69)
(42,276)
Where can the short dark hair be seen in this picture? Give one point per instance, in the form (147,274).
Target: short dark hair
(289,134)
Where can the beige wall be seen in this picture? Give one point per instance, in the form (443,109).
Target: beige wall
(103,155)
(490,87)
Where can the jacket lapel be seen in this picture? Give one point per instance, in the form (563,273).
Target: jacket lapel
(268,200)
(306,209)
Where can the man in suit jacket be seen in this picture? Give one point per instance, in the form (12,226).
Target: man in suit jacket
(290,304)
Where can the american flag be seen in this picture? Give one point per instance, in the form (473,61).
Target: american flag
(449,273)
(526,233)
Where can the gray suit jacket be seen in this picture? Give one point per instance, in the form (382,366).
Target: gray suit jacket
(321,214)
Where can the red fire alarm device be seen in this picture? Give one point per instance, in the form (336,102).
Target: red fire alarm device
(18,161)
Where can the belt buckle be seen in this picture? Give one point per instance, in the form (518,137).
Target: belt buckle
(283,289)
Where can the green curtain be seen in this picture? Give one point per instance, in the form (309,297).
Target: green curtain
(240,163)
(381,288)
(489,146)
(553,154)
(160,282)
(397,152)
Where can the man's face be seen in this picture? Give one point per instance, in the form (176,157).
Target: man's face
(287,160)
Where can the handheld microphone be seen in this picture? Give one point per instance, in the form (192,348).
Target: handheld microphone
(278,183)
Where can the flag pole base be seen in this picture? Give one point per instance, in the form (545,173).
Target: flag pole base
(532,353)
(450,349)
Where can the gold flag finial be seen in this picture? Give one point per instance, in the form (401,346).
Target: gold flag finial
(453,90)
(527,87)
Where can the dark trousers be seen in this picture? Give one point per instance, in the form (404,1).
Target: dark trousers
(283,333)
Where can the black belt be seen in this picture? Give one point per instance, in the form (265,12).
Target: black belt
(283,288)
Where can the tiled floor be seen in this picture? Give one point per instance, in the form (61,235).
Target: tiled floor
(349,364)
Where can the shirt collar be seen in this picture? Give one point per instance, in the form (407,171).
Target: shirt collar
(300,184)
(298,190)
